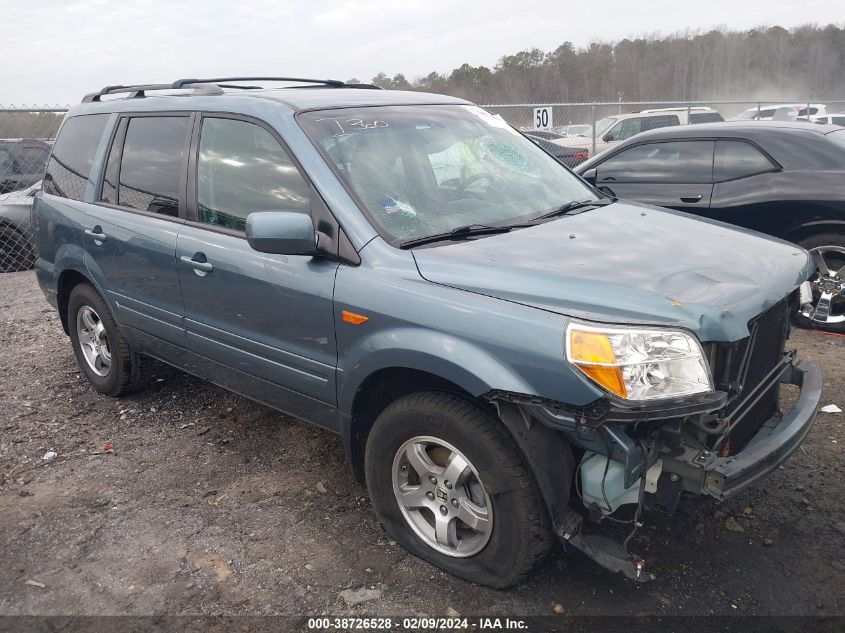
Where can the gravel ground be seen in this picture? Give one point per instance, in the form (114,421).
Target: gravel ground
(211,504)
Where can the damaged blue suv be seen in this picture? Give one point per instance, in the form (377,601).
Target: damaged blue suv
(509,355)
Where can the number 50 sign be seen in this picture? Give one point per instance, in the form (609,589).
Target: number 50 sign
(542,118)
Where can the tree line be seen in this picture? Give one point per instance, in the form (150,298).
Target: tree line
(720,64)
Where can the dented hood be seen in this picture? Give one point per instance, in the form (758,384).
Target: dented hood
(629,263)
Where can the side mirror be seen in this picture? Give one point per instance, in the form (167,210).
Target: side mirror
(590,176)
(281,233)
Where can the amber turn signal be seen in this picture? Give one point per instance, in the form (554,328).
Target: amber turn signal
(593,354)
(354,318)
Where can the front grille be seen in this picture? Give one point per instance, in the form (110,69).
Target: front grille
(746,365)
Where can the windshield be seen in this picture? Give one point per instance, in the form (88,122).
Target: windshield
(419,171)
(602,125)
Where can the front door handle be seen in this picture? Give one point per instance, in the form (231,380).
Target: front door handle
(97,235)
(691,198)
(199,266)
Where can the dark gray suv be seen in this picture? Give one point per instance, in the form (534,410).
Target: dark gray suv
(509,356)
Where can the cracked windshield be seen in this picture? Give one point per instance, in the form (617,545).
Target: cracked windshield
(425,170)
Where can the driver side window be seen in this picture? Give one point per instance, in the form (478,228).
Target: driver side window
(243,169)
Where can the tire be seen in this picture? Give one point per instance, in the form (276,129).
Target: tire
(16,252)
(831,247)
(519,535)
(125,371)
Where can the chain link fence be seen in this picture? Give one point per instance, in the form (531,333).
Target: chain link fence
(574,130)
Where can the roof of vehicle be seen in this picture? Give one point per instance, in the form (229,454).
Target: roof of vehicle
(770,106)
(297,99)
(780,138)
(735,128)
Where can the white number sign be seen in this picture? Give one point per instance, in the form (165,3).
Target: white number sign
(542,118)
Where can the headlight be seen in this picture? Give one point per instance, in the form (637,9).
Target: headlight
(639,364)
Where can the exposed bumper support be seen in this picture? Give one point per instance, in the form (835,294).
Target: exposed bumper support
(776,440)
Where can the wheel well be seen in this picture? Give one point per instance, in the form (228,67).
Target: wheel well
(803,232)
(68,280)
(380,389)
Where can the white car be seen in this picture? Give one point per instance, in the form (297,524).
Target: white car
(832,119)
(784,112)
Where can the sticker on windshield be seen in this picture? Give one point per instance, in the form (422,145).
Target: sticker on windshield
(493,120)
(392,206)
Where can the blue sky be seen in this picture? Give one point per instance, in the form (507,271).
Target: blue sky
(55,51)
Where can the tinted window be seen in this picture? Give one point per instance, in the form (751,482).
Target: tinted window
(73,155)
(666,120)
(242,169)
(737,159)
(838,120)
(33,159)
(676,162)
(705,117)
(6,164)
(152,164)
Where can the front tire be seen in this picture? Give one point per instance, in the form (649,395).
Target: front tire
(449,485)
(102,352)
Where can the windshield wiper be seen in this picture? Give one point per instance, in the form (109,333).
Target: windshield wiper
(458,233)
(575,205)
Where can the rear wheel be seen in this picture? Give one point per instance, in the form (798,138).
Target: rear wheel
(102,352)
(16,252)
(449,485)
(827,309)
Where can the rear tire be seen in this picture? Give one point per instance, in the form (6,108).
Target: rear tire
(496,486)
(102,352)
(830,247)
(16,252)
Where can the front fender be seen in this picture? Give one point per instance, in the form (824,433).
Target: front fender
(471,368)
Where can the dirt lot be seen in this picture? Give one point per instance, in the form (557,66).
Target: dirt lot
(211,504)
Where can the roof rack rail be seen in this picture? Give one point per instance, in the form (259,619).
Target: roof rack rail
(181,83)
(215,86)
(139,90)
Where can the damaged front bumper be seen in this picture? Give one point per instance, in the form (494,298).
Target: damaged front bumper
(776,440)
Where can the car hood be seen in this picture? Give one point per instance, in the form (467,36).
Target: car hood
(629,263)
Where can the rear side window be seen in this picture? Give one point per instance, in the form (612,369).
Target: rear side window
(6,164)
(666,120)
(73,154)
(33,160)
(738,159)
(705,117)
(152,164)
(682,162)
(242,169)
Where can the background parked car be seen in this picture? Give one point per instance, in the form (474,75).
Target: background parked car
(574,130)
(781,178)
(831,119)
(784,112)
(569,156)
(17,251)
(614,129)
(22,163)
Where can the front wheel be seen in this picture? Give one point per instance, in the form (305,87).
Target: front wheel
(827,309)
(449,485)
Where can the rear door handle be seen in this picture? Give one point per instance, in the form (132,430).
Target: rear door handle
(199,266)
(97,235)
(691,198)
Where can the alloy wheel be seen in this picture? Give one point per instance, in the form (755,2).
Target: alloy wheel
(441,496)
(828,284)
(93,340)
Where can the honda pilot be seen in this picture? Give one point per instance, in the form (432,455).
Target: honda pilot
(510,356)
